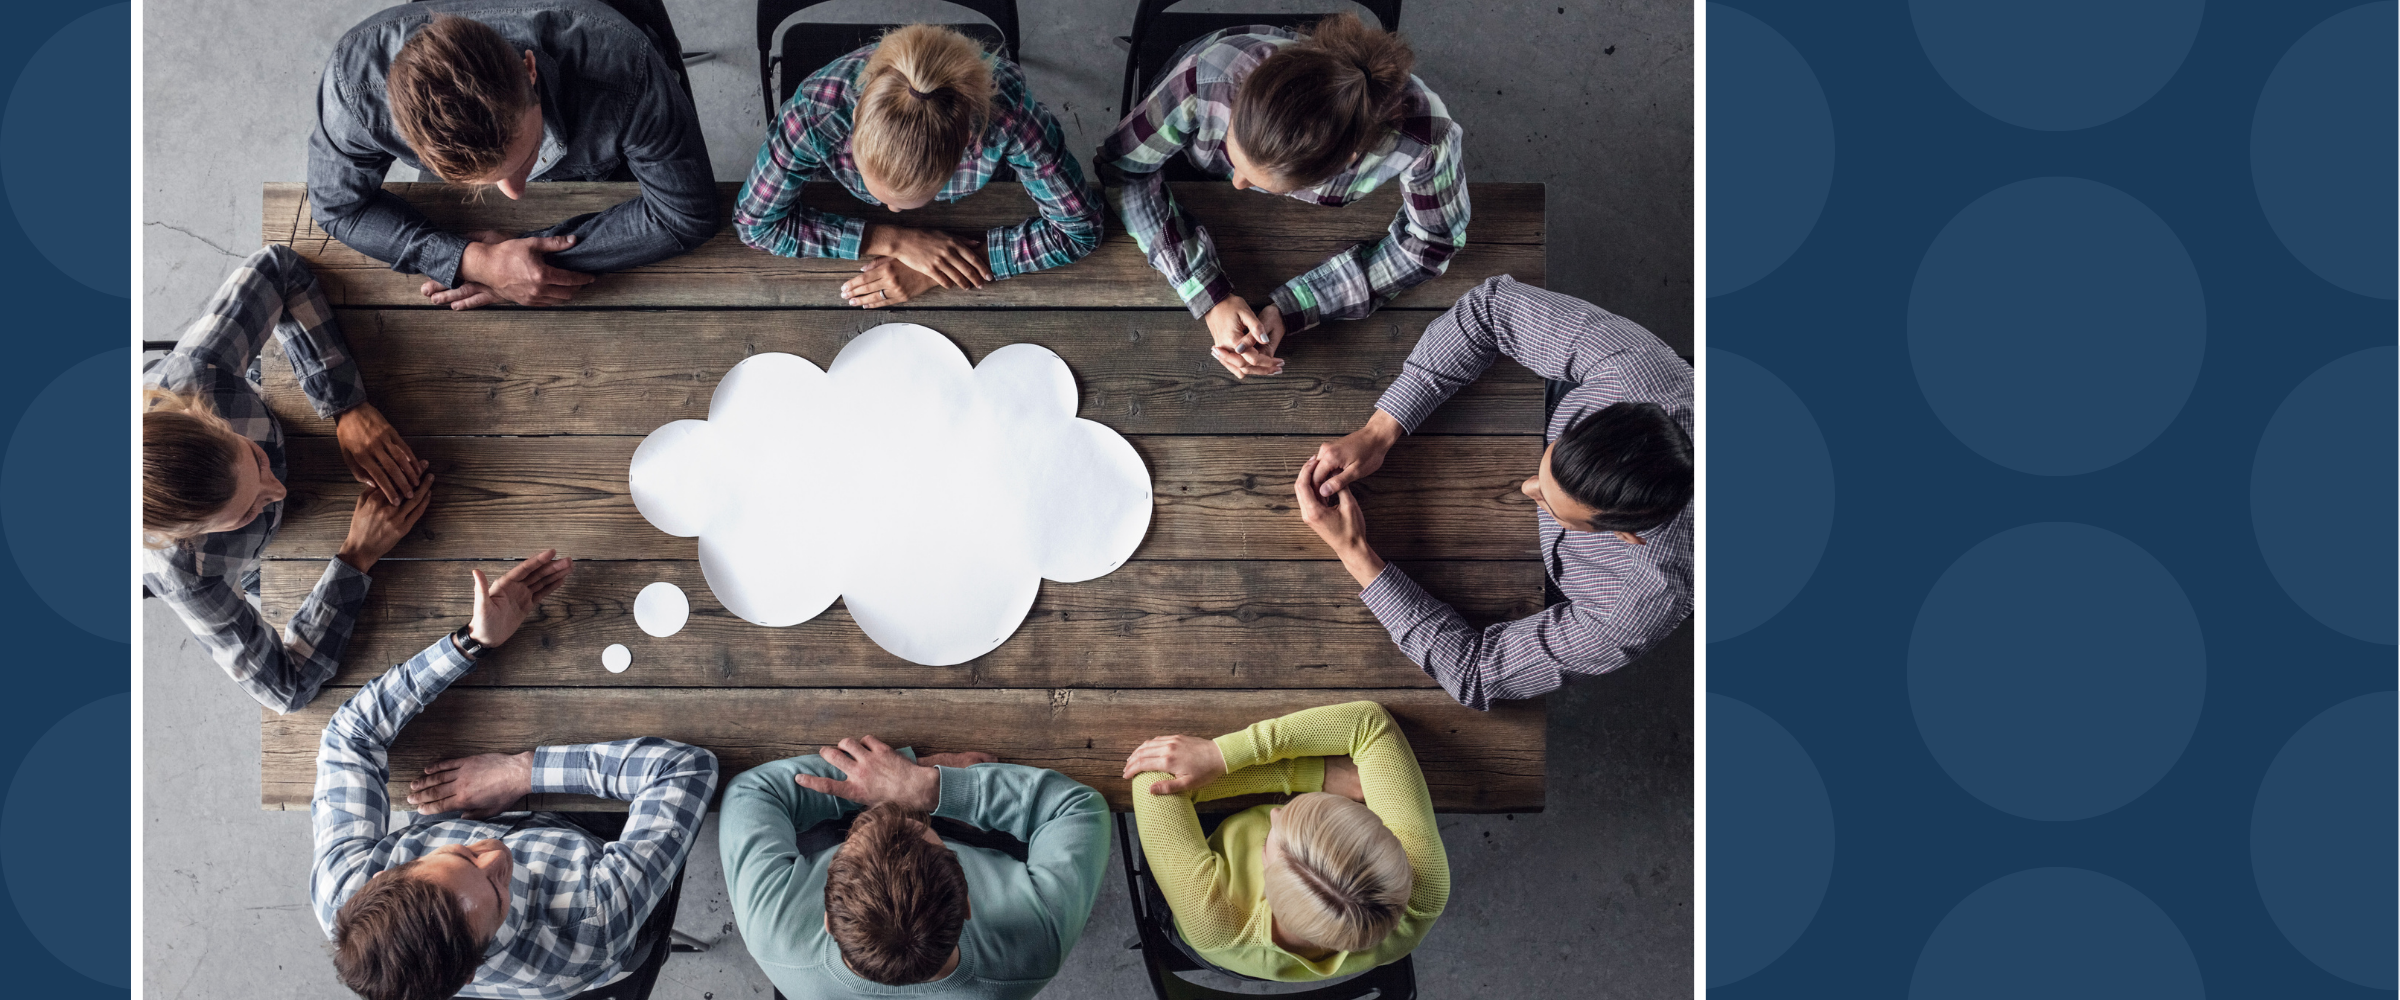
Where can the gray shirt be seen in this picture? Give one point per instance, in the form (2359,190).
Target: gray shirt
(612,109)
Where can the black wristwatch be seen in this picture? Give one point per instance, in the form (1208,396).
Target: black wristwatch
(466,643)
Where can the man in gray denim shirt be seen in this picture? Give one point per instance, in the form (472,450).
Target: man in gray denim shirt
(604,104)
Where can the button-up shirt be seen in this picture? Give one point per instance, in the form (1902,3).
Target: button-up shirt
(576,904)
(1621,599)
(1190,112)
(204,578)
(811,141)
(612,109)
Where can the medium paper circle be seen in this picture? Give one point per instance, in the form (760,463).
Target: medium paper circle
(661,609)
(616,657)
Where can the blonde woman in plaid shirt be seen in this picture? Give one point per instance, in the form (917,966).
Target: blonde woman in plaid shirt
(1325,117)
(922,115)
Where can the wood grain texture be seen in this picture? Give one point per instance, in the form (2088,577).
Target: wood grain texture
(1198,624)
(626,372)
(1436,497)
(1473,761)
(1262,241)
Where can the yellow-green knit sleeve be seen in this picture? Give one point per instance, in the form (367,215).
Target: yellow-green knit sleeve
(1192,877)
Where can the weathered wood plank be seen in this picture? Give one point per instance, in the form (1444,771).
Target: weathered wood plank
(1194,624)
(626,372)
(1437,497)
(1473,761)
(1262,241)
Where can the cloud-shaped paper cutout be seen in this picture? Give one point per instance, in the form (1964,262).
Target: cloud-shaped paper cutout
(931,496)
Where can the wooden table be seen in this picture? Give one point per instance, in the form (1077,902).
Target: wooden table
(1231,611)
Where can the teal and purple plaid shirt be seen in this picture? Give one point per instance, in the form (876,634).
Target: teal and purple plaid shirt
(811,141)
(1190,111)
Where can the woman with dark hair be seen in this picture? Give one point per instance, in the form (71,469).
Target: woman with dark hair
(213,475)
(1326,117)
(922,115)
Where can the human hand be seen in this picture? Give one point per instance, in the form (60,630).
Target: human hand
(477,786)
(1340,523)
(502,606)
(1356,455)
(516,271)
(951,261)
(877,774)
(1193,762)
(468,295)
(1341,778)
(885,282)
(377,524)
(1240,341)
(376,455)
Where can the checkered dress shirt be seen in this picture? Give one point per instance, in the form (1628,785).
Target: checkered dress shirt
(206,579)
(1190,111)
(811,140)
(576,904)
(1621,599)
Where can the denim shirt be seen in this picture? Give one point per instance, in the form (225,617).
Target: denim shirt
(611,104)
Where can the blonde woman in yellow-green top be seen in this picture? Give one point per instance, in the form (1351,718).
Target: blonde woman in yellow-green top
(1347,876)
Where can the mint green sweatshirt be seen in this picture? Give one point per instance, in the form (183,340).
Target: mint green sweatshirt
(1026,916)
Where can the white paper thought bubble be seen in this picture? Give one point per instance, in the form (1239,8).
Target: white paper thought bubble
(931,496)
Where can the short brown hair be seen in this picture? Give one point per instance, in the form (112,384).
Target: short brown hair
(457,90)
(895,904)
(402,938)
(1304,111)
(188,459)
(924,95)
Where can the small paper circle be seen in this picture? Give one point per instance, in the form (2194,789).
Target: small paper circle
(616,657)
(661,609)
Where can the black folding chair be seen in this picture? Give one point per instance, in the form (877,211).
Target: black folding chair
(1164,952)
(1158,35)
(808,45)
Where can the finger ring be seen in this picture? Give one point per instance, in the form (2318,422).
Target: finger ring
(880,296)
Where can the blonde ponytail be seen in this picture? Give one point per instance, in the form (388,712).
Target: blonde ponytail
(189,454)
(925,95)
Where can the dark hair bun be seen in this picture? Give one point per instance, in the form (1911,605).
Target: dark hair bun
(1308,109)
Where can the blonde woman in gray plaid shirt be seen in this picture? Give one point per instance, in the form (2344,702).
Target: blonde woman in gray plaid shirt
(213,479)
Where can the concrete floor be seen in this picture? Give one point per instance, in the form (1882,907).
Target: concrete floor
(1589,899)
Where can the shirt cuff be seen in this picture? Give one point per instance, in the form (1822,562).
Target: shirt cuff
(1409,400)
(958,800)
(1297,316)
(562,770)
(854,237)
(1391,594)
(441,256)
(1202,294)
(995,253)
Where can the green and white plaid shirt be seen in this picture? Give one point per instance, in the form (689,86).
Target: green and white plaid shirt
(1190,111)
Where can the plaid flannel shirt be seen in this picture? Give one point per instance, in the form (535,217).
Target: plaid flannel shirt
(1620,599)
(811,140)
(207,579)
(1190,111)
(576,905)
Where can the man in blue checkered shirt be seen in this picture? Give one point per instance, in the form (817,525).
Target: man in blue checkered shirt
(471,901)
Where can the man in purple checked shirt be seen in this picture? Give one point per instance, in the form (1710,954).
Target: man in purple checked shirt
(1614,493)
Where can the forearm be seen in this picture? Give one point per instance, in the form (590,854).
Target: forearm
(280,671)
(1310,734)
(1171,241)
(670,784)
(651,228)
(1517,659)
(386,227)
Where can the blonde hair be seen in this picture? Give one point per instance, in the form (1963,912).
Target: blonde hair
(1343,878)
(925,95)
(188,458)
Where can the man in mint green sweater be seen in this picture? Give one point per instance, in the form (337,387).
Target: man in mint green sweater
(895,909)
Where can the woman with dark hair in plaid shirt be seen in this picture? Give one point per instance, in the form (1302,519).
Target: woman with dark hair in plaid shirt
(924,114)
(1325,117)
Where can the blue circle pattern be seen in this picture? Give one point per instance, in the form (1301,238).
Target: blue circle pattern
(2323,472)
(2056,65)
(73,909)
(2321,150)
(2321,840)
(1770,839)
(2059,934)
(49,529)
(2056,696)
(2056,326)
(72,95)
(1770,157)
(1770,495)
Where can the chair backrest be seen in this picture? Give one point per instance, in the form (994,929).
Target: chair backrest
(1143,58)
(772,14)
